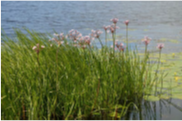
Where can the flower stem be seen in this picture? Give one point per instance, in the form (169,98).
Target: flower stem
(100,42)
(157,69)
(113,43)
(105,37)
(126,37)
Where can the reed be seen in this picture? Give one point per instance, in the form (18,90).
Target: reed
(68,79)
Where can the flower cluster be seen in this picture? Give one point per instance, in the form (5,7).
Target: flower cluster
(106,27)
(120,46)
(59,38)
(84,41)
(126,22)
(74,35)
(38,48)
(95,34)
(146,40)
(114,20)
(87,40)
(113,28)
(160,46)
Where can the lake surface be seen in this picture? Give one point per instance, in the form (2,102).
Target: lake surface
(159,20)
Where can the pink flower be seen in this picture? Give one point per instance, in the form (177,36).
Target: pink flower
(84,46)
(37,48)
(74,35)
(42,46)
(120,46)
(81,41)
(146,40)
(106,27)
(113,28)
(60,42)
(87,40)
(114,20)
(96,34)
(126,22)
(53,39)
(61,36)
(58,38)
(34,47)
(160,46)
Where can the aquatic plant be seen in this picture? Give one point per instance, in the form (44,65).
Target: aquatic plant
(70,79)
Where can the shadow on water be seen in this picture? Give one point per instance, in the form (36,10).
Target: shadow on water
(162,110)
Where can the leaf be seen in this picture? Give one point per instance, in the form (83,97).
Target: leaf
(96,113)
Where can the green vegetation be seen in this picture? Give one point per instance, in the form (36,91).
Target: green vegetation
(63,81)
(67,82)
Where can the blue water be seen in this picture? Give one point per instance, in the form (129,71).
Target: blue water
(155,19)
(160,19)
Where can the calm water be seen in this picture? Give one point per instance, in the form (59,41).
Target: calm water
(155,19)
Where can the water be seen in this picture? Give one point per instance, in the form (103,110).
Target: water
(165,109)
(155,19)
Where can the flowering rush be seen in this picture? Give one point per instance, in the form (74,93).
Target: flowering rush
(83,42)
(126,22)
(160,46)
(114,20)
(74,35)
(113,28)
(106,28)
(120,46)
(58,38)
(37,48)
(87,40)
(95,34)
(146,40)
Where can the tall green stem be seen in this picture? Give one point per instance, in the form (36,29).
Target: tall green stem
(145,50)
(100,42)
(126,37)
(157,69)
(113,43)
(105,37)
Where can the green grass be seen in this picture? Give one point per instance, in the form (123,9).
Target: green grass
(68,82)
